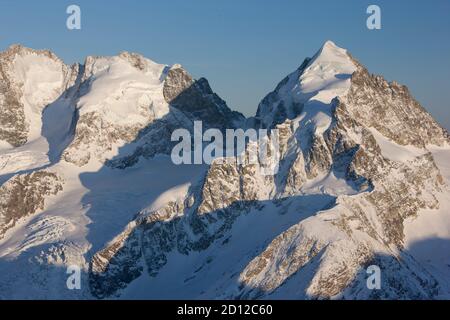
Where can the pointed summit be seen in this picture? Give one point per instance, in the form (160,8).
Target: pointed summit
(330,53)
(320,79)
(329,45)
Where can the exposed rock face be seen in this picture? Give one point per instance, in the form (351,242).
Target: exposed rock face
(177,81)
(24,195)
(117,99)
(357,158)
(95,137)
(149,101)
(277,106)
(321,136)
(389,202)
(396,191)
(390,108)
(21,101)
(153,140)
(12,120)
(198,101)
(120,100)
(188,100)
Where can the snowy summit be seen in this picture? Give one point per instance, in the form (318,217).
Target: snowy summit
(87,180)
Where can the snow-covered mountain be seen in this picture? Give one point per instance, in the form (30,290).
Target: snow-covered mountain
(87,180)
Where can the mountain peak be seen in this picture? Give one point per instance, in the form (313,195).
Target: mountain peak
(15,49)
(329,45)
(330,53)
(355,172)
(314,84)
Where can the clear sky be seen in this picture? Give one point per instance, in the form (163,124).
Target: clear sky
(245,47)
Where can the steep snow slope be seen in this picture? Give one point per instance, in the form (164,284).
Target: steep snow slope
(42,80)
(31,81)
(92,208)
(363,180)
(310,88)
(366,177)
(59,202)
(119,96)
(427,236)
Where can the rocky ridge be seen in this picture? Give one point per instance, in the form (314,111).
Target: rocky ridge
(356,161)
(362,226)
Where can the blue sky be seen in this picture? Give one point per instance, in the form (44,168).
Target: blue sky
(245,47)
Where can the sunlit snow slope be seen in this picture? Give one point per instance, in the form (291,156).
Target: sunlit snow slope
(87,180)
